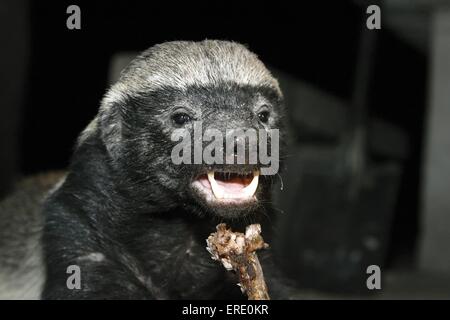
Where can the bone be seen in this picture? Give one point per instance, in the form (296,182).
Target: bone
(237,252)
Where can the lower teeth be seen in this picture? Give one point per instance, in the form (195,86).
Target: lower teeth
(221,192)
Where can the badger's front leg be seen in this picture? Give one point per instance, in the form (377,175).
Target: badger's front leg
(82,263)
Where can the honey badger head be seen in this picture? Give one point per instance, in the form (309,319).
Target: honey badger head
(176,85)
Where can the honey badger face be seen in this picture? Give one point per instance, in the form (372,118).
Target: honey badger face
(178,85)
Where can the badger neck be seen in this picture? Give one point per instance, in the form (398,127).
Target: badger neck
(101,184)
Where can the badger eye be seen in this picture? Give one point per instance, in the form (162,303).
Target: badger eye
(264,116)
(181,118)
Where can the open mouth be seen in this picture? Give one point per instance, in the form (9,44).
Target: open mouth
(228,187)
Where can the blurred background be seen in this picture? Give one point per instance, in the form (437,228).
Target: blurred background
(367,176)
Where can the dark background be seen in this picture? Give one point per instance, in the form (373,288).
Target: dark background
(306,41)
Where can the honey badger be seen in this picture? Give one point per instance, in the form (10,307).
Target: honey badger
(134,222)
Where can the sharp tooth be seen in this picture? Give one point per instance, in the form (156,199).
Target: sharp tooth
(216,189)
(250,190)
(220,193)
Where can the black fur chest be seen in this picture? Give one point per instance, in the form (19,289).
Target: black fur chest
(176,264)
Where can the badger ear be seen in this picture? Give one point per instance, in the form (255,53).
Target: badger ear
(88,132)
(110,122)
